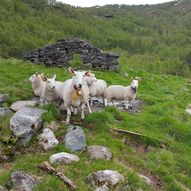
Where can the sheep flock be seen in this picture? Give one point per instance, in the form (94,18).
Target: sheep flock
(78,91)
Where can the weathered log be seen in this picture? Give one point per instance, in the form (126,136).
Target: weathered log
(135,134)
(45,166)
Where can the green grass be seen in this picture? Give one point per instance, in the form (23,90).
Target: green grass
(163,116)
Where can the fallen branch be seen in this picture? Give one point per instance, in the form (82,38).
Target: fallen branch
(135,134)
(45,166)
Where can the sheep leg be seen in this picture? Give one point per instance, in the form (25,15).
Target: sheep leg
(75,111)
(105,102)
(113,103)
(127,105)
(72,109)
(89,109)
(131,105)
(91,102)
(82,111)
(68,115)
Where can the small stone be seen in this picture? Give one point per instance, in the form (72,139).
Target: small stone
(48,139)
(146,179)
(63,157)
(26,120)
(104,177)
(3,97)
(99,152)
(21,104)
(23,181)
(4,111)
(75,139)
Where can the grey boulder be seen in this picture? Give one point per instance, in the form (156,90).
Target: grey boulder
(23,181)
(106,178)
(63,157)
(99,152)
(3,98)
(48,139)
(26,120)
(75,139)
(21,104)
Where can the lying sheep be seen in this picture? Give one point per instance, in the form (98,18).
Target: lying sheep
(76,93)
(37,84)
(122,93)
(96,87)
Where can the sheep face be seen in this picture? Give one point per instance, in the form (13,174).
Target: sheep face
(34,77)
(90,78)
(135,83)
(50,83)
(78,78)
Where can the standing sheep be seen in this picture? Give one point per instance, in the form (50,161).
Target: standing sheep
(96,86)
(122,93)
(37,84)
(76,93)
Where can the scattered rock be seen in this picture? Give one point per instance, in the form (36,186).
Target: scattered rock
(99,152)
(104,177)
(3,188)
(146,179)
(63,157)
(21,104)
(25,139)
(75,139)
(3,98)
(4,111)
(102,188)
(23,181)
(48,139)
(26,120)
(53,125)
(188,109)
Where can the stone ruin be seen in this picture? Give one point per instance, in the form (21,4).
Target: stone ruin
(60,53)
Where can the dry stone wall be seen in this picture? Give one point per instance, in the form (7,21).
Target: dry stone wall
(60,53)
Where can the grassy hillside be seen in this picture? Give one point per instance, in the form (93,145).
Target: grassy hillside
(163,116)
(158,34)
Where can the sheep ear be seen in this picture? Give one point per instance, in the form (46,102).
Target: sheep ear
(87,73)
(71,70)
(138,78)
(132,78)
(36,74)
(54,77)
(44,78)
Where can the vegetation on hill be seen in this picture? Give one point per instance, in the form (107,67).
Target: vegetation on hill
(158,35)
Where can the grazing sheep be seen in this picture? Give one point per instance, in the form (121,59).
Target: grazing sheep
(37,84)
(96,86)
(76,93)
(122,93)
(49,91)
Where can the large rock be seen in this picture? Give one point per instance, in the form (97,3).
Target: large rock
(21,104)
(75,139)
(26,120)
(4,111)
(23,181)
(99,152)
(3,98)
(102,188)
(48,139)
(106,178)
(63,157)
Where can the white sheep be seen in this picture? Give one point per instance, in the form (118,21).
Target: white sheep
(76,93)
(122,93)
(49,90)
(97,87)
(37,84)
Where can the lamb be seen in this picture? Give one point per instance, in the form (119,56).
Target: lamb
(123,93)
(76,93)
(37,84)
(49,90)
(96,86)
